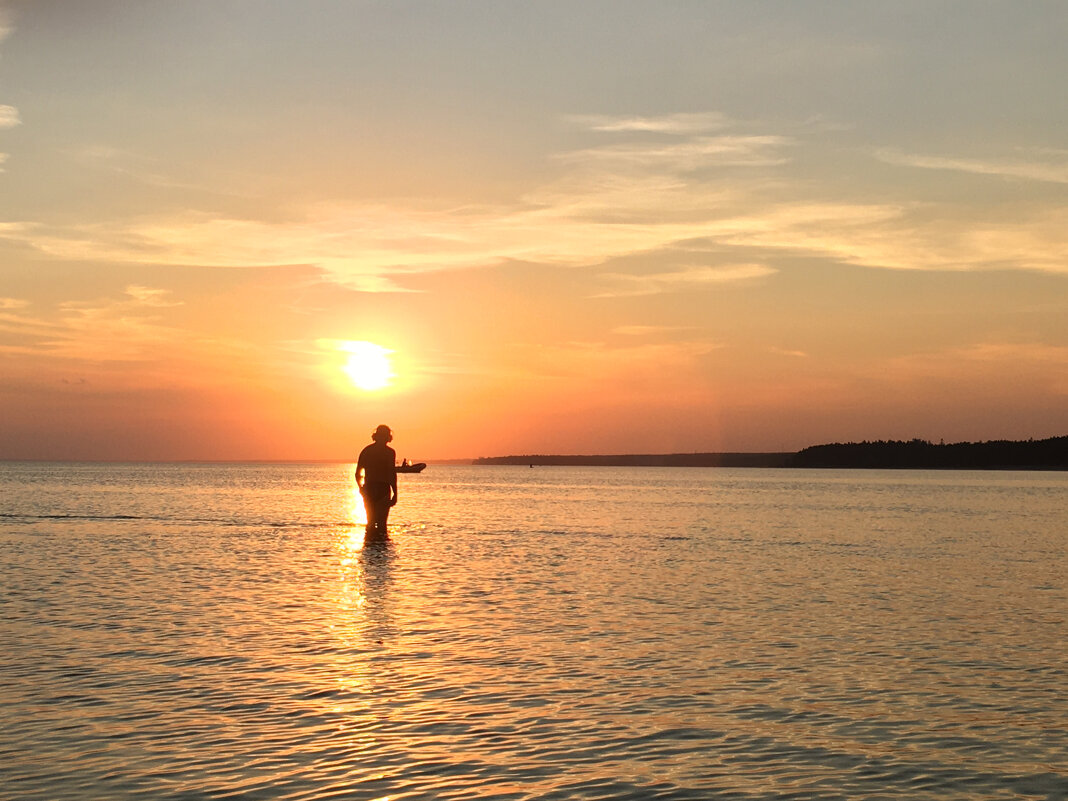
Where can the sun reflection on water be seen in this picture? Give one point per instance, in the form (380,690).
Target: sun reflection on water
(357,513)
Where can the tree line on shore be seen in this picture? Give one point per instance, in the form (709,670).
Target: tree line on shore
(916,454)
(1043,454)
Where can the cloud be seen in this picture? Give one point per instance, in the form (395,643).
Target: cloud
(16,230)
(104,330)
(608,201)
(146,296)
(9,117)
(648,330)
(145,170)
(1047,165)
(584,219)
(906,237)
(687,279)
(692,154)
(798,354)
(1015,353)
(678,124)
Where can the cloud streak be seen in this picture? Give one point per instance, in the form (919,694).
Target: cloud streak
(647,330)
(676,124)
(687,279)
(147,296)
(9,115)
(692,154)
(1044,165)
(107,330)
(612,200)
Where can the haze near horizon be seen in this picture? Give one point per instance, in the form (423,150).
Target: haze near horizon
(255,230)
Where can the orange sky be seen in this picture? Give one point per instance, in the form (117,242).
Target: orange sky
(703,227)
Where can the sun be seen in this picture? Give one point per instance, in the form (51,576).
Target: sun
(368,366)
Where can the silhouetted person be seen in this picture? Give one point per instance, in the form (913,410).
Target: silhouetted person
(376,476)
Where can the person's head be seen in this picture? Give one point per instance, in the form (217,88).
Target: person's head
(382,434)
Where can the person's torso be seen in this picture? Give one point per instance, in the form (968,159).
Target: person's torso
(379,463)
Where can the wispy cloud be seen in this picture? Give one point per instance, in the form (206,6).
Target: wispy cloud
(147,296)
(106,330)
(648,330)
(582,220)
(644,195)
(678,124)
(144,169)
(797,354)
(1016,352)
(687,279)
(9,117)
(692,154)
(907,237)
(1047,165)
(16,230)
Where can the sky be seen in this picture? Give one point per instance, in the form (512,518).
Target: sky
(594,227)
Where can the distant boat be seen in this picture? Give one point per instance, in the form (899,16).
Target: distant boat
(418,467)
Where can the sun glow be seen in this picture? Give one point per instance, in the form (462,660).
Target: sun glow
(368,366)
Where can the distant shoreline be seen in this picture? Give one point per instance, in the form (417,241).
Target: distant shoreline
(916,454)
(644,460)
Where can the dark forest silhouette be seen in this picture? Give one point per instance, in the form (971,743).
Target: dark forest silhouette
(1043,454)
(916,454)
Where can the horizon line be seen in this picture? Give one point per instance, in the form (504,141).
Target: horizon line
(460,460)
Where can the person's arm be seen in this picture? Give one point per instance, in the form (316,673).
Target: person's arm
(393,478)
(361,472)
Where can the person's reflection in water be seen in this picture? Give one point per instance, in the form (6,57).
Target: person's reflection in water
(376,540)
(376,476)
(376,576)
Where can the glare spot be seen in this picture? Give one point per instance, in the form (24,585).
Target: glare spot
(368,366)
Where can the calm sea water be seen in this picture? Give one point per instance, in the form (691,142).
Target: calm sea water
(208,632)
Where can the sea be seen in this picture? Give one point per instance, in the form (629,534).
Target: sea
(226,631)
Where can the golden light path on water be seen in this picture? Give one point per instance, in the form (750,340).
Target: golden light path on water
(176,631)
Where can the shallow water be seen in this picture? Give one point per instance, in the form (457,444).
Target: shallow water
(551,633)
